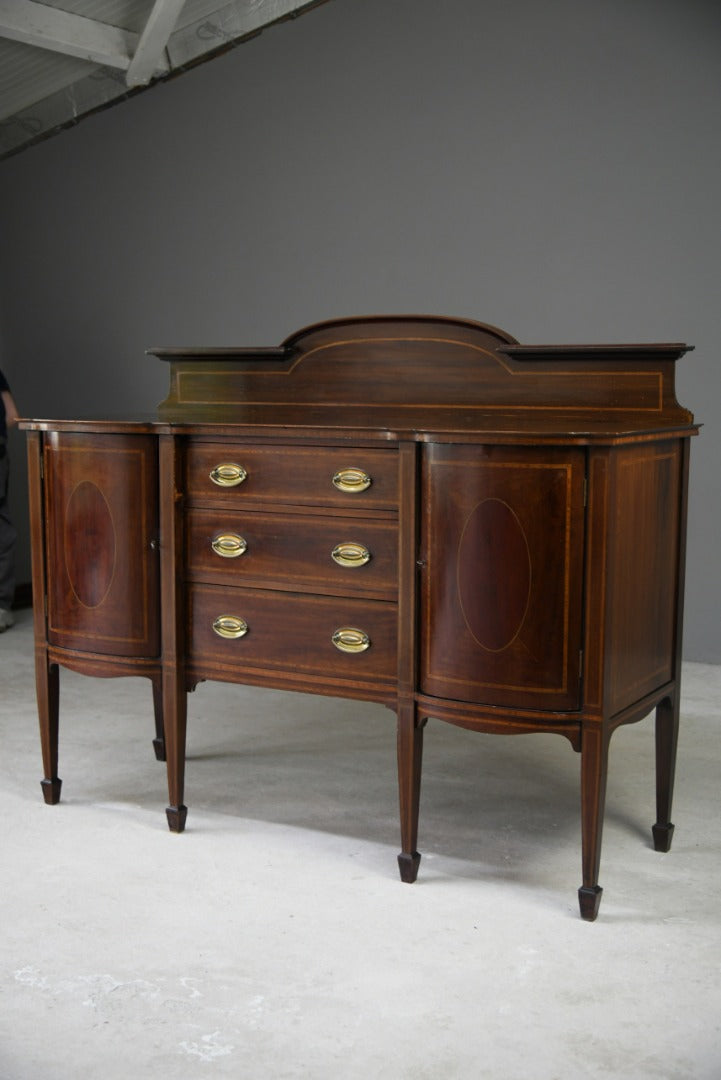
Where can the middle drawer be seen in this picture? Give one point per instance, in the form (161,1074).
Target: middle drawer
(332,555)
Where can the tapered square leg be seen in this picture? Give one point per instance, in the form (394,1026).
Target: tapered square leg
(47,685)
(159,740)
(174,699)
(667,715)
(410,755)
(594,771)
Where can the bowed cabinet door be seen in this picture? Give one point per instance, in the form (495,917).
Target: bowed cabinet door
(502,557)
(101,514)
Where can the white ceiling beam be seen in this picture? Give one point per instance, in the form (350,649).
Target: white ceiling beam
(63,100)
(50,28)
(149,54)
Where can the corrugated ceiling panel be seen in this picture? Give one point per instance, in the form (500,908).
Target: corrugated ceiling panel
(129,14)
(133,14)
(28,75)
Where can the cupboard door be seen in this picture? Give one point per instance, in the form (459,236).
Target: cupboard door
(101,510)
(501,594)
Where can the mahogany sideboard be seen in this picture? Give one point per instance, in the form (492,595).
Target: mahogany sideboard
(410,510)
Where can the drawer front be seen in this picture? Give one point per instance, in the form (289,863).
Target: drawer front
(327,554)
(287,632)
(291,475)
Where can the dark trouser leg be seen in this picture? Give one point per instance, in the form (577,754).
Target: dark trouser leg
(8,538)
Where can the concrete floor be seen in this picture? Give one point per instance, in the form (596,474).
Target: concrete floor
(274,939)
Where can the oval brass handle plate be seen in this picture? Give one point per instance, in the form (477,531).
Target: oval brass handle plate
(350,640)
(229,545)
(230,627)
(350,554)
(228,474)
(351,481)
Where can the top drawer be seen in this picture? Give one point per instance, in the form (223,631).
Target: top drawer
(230,473)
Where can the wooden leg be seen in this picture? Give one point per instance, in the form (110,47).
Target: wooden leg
(594,771)
(410,754)
(174,725)
(667,713)
(159,740)
(47,687)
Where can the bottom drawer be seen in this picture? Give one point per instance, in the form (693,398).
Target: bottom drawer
(267,631)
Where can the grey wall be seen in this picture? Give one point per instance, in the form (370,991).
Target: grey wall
(551,168)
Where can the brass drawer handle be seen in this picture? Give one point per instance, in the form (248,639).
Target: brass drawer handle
(228,474)
(350,554)
(230,627)
(350,640)
(229,545)
(351,481)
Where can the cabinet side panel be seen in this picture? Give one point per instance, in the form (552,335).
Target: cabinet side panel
(101,509)
(37,533)
(643,571)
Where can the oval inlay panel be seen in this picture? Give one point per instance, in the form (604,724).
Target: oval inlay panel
(89,544)
(494,574)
